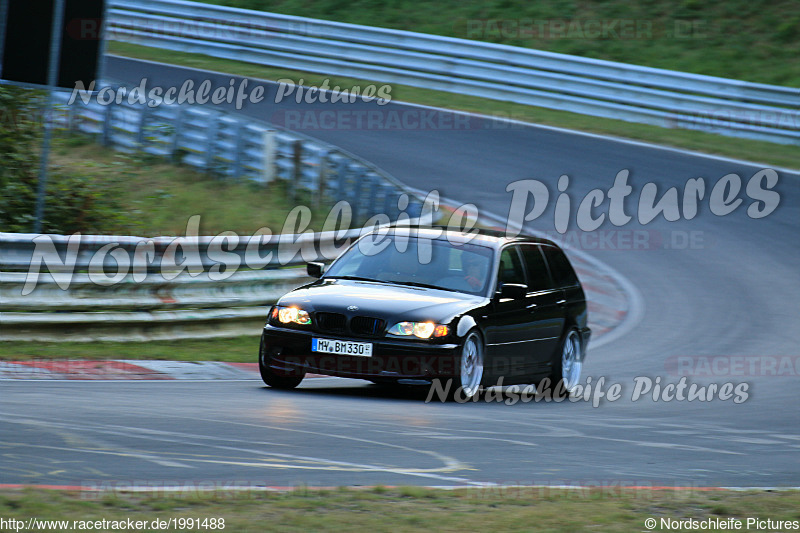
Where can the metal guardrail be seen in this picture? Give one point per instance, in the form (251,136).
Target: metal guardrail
(232,145)
(184,307)
(581,85)
(64,254)
(71,300)
(176,293)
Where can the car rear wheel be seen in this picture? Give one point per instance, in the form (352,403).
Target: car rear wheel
(276,379)
(567,365)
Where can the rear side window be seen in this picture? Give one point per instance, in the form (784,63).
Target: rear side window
(560,267)
(538,276)
(510,267)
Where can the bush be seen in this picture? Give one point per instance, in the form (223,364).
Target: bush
(73,203)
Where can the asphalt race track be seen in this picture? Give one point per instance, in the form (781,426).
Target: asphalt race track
(720,292)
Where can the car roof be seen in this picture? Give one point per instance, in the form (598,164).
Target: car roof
(493,238)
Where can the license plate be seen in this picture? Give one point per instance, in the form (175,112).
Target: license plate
(361,349)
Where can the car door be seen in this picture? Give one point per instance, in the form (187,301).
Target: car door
(544,304)
(507,326)
(567,281)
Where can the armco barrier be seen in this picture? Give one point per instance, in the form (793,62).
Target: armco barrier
(184,296)
(61,291)
(162,292)
(184,307)
(580,85)
(235,146)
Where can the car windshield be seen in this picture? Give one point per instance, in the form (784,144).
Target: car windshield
(417,261)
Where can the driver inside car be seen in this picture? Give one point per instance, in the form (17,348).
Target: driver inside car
(473,271)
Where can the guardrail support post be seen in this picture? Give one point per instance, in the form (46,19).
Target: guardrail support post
(355,196)
(107,118)
(210,142)
(297,169)
(141,139)
(70,118)
(176,136)
(239,153)
(270,151)
(323,178)
(372,201)
(390,201)
(341,178)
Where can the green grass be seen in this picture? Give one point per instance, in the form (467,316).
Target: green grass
(158,198)
(407,509)
(758,151)
(756,40)
(235,350)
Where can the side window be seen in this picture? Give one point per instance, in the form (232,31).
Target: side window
(560,267)
(538,276)
(510,267)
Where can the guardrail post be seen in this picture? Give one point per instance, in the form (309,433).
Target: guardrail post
(268,171)
(356,195)
(107,118)
(341,178)
(211,128)
(176,139)
(239,153)
(297,169)
(390,201)
(227,156)
(372,201)
(141,139)
(70,118)
(322,179)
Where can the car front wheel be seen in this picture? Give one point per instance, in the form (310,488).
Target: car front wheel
(471,365)
(276,380)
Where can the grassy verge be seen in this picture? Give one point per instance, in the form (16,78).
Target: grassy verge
(411,509)
(759,151)
(157,197)
(235,350)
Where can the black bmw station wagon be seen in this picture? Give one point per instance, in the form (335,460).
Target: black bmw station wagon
(411,305)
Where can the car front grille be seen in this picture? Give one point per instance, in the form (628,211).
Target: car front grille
(331,322)
(364,326)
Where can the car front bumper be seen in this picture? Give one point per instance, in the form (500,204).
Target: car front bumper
(288,351)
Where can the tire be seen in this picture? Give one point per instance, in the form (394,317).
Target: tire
(566,366)
(273,379)
(468,385)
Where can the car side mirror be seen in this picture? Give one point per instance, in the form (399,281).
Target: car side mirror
(315,269)
(515,291)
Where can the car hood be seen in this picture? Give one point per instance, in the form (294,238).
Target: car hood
(381,300)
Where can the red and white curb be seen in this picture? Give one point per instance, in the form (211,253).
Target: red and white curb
(129,370)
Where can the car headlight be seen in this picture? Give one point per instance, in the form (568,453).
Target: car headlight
(423,330)
(290,315)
